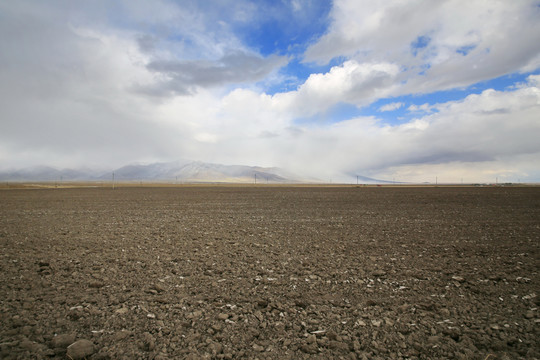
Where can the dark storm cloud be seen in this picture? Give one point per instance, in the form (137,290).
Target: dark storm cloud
(147,43)
(184,77)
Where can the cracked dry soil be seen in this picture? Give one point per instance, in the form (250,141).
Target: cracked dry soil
(228,272)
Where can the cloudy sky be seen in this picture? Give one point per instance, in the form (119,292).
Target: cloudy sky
(404,90)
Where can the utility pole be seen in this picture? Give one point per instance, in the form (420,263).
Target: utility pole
(113,180)
(356,179)
(255,178)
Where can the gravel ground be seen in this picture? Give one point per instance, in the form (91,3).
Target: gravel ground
(225,272)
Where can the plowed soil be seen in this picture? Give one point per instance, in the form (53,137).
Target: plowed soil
(270,273)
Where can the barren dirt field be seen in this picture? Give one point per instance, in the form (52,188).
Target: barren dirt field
(224,272)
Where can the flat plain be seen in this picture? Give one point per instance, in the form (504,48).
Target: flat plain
(270,273)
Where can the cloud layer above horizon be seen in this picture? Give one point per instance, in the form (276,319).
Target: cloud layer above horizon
(403,90)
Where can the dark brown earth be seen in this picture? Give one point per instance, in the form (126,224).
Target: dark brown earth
(270,273)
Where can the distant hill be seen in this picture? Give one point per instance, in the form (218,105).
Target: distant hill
(178,171)
(198,171)
(195,171)
(44,173)
(368,180)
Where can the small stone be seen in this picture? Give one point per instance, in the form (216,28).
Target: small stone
(338,345)
(379,272)
(371,302)
(529,315)
(62,341)
(259,315)
(458,278)
(376,323)
(96,284)
(286,343)
(309,349)
(122,311)
(149,342)
(262,303)
(258,348)
(332,335)
(216,348)
(158,288)
(49,353)
(311,339)
(434,339)
(403,307)
(223,316)
(80,349)
(445,312)
(151,316)
(121,335)
(360,322)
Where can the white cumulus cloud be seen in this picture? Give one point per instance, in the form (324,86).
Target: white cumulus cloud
(439,44)
(352,82)
(391,106)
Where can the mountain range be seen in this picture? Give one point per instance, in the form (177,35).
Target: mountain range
(178,171)
(198,171)
(195,171)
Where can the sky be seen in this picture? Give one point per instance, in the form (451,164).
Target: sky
(413,91)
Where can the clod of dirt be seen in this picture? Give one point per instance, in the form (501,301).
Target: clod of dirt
(379,273)
(96,284)
(80,349)
(222,316)
(122,311)
(158,288)
(121,335)
(309,348)
(62,341)
(149,343)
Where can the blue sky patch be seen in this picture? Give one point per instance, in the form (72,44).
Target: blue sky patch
(421,42)
(465,50)
(281,29)
(403,115)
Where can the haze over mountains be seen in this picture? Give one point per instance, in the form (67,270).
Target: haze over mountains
(198,171)
(178,171)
